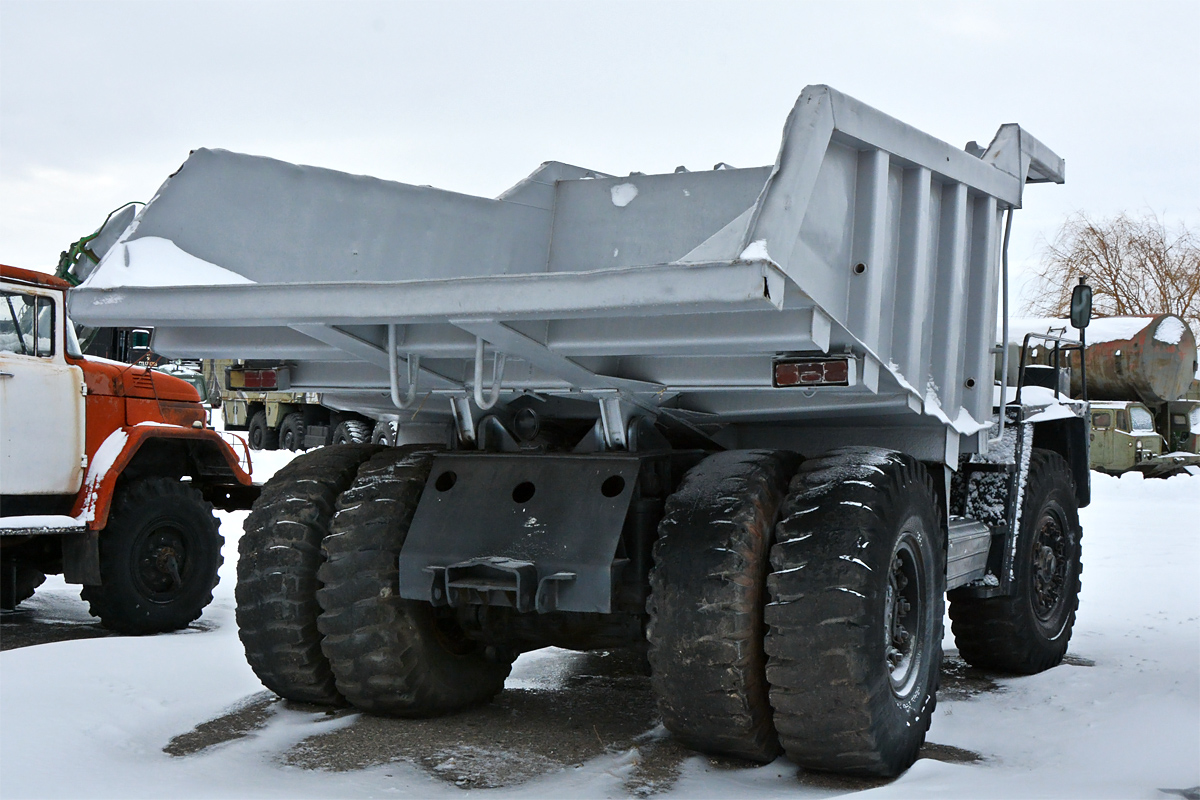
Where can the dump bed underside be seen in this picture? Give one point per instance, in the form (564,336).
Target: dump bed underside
(867,239)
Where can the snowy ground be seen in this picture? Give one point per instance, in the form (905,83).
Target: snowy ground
(135,717)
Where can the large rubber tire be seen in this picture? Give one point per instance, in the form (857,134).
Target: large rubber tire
(860,530)
(291,432)
(278,557)
(352,431)
(384,433)
(1029,631)
(707,592)
(261,435)
(25,580)
(393,656)
(159,556)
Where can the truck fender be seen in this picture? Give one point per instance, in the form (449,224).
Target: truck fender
(119,450)
(1070,438)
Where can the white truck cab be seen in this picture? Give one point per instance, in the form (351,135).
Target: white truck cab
(42,418)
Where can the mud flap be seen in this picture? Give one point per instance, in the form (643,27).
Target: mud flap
(530,532)
(81,558)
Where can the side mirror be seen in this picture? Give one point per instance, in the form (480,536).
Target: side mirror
(1081,305)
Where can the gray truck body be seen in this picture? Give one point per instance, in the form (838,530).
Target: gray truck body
(741,420)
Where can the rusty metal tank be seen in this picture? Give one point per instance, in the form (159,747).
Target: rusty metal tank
(1156,364)
(1148,359)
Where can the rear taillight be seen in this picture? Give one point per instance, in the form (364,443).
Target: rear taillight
(813,372)
(260,379)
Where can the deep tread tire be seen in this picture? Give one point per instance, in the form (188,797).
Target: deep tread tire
(384,433)
(352,431)
(25,581)
(291,432)
(154,522)
(1008,633)
(707,592)
(278,557)
(392,656)
(261,435)
(855,521)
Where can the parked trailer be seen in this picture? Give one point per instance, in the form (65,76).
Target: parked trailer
(616,377)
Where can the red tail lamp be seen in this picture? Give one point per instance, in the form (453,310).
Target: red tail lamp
(813,372)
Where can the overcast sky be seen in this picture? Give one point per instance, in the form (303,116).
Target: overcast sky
(100,101)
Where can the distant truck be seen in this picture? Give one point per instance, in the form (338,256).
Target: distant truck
(1180,421)
(1126,436)
(108,472)
(255,397)
(1145,404)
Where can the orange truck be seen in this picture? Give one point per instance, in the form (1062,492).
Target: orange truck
(108,472)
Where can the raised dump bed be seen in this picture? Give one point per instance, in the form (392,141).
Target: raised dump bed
(739,420)
(867,241)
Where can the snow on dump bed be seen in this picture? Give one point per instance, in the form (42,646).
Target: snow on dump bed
(963,422)
(154,261)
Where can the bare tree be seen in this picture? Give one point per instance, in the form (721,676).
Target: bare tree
(1135,265)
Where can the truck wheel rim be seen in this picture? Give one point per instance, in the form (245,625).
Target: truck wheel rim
(160,564)
(1050,562)
(904,612)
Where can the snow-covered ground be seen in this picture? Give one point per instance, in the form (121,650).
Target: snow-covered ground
(90,718)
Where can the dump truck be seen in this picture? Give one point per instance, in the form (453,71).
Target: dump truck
(740,420)
(1145,411)
(108,472)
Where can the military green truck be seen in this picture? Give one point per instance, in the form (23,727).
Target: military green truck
(1180,422)
(1145,399)
(1125,437)
(256,397)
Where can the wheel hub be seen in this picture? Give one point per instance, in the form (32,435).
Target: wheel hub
(1049,566)
(160,565)
(902,614)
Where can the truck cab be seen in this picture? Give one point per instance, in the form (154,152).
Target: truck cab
(1124,437)
(42,415)
(109,473)
(1181,425)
